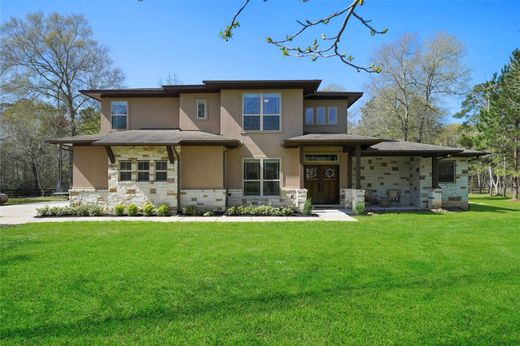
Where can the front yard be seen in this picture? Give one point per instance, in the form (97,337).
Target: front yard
(449,278)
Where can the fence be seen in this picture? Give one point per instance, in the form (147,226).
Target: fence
(28,193)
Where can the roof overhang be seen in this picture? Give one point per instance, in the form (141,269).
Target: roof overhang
(351,96)
(331,139)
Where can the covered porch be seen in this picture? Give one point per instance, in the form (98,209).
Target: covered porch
(344,170)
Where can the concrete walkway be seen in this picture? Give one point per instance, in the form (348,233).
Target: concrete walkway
(24,213)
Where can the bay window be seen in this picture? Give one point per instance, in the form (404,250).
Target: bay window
(333,116)
(261,177)
(320,116)
(261,112)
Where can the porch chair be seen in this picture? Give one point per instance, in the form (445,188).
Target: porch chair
(371,197)
(394,195)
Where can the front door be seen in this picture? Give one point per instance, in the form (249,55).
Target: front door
(322,183)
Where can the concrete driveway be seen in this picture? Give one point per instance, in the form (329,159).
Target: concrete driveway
(25,213)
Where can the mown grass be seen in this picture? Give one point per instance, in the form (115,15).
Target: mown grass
(449,278)
(25,200)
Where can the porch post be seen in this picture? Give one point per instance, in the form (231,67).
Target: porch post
(349,169)
(358,166)
(301,170)
(435,172)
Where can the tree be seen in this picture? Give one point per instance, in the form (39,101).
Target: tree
(89,121)
(326,46)
(407,95)
(492,122)
(52,58)
(25,126)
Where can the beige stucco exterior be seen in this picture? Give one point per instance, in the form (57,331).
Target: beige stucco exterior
(202,167)
(188,112)
(262,144)
(90,167)
(144,113)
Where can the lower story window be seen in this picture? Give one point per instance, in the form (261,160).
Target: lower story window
(262,177)
(161,170)
(143,171)
(125,170)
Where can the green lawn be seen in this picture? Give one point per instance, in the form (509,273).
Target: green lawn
(416,279)
(25,200)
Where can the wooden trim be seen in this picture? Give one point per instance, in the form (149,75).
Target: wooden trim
(170,154)
(358,166)
(349,170)
(110,154)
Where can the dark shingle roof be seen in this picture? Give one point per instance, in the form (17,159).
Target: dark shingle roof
(152,137)
(330,139)
(404,148)
(75,139)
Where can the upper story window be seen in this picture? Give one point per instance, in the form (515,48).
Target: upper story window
(119,114)
(324,116)
(333,116)
(446,171)
(261,112)
(202,109)
(320,116)
(309,116)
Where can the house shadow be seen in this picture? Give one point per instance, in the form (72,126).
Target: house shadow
(490,208)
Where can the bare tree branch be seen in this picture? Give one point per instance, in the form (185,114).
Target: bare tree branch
(315,51)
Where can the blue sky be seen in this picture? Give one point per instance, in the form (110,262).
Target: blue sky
(151,39)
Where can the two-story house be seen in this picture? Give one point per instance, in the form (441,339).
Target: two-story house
(277,142)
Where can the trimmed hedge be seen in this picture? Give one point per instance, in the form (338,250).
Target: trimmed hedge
(80,210)
(261,210)
(195,210)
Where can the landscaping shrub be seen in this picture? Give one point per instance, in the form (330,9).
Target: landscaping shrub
(359,208)
(195,210)
(261,210)
(132,210)
(77,210)
(307,207)
(119,210)
(148,209)
(163,210)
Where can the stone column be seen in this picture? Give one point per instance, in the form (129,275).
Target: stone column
(435,198)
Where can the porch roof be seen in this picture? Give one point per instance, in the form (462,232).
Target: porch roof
(339,139)
(397,148)
(150,137)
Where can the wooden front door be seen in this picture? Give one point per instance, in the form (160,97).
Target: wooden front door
(322,183)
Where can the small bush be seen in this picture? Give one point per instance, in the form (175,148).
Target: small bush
(44,211)
(96,210)
(119,210)
(307,207)
(194,210)
(359,208)
(209,213)
(148,209)
(81,210)
(132,210)
(261,210)
(163,210)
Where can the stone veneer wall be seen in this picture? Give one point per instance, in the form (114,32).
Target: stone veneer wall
(380,174)
(351,197)
(294,198)
(88,196)
(137,192)
(454,195)
(214,199)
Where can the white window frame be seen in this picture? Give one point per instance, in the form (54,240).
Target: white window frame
(119,115)
(161,170)
(261,115)
(328,116)
(125,170)
(143,171)
(262,180)
(205,103)
(312,111)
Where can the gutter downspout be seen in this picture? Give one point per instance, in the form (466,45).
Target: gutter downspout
(178,157)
